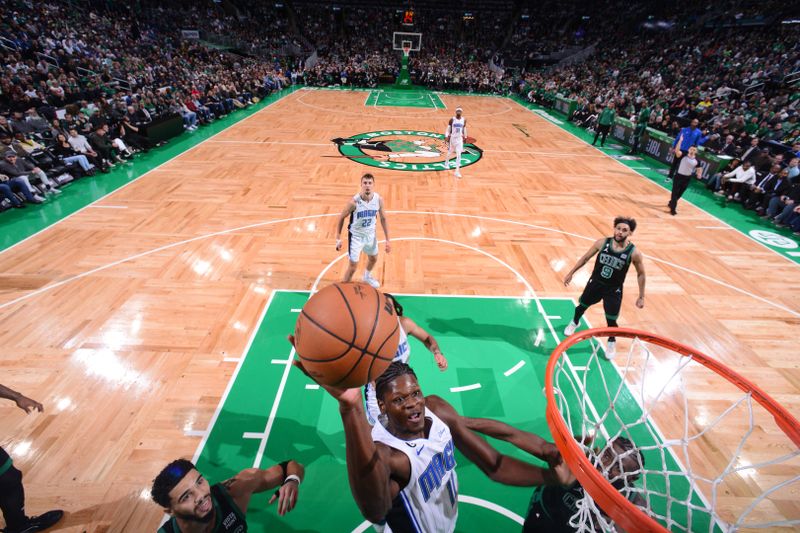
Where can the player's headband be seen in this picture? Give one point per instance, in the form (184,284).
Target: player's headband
(459,109)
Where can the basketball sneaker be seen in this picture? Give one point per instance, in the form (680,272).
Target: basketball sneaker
(39,523)
(372,281)
(611,350)
(570,329)
(458,174)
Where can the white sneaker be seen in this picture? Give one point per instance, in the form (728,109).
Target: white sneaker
(458,174)
(372,281)
(56,191)
(570,329)
(611,350)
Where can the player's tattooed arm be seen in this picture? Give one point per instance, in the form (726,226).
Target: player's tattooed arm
(253,480)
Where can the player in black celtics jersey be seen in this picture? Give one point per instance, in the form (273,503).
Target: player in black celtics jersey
(195,506)
(615,255)
(552,507)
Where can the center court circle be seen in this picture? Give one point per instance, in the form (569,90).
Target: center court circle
(403,150)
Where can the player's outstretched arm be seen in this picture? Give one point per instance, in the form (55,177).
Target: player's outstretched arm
(596,247)
(638,263)
(22,401)
(524,440)
(349,208)
(411,328)
(496,466)
(374,472)
(253,480)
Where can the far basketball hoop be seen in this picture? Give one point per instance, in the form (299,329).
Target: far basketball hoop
(406,43)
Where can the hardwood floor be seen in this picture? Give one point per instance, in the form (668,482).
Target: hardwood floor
(119,320)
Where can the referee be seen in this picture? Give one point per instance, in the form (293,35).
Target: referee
(688,137)
(686,167)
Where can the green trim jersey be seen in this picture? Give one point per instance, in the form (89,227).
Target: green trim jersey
(551,509)
(228,517)
(5,461)
(611,266)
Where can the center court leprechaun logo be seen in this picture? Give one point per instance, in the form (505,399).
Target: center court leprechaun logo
(406,150)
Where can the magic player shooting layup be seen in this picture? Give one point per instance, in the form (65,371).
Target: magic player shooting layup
(363,209)
(455,135)
(407,327)
(615,255)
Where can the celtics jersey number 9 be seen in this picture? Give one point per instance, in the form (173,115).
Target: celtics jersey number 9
(612,265)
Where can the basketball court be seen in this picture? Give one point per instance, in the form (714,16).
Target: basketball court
(152,324)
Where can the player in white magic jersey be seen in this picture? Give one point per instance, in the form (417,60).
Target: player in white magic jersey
(363,210)
(403,474)
(407,327)
(455,135)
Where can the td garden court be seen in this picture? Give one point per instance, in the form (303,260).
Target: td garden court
(152,324)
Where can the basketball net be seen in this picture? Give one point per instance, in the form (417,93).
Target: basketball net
(406,49)
(717,453)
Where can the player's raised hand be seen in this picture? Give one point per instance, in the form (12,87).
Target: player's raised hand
(286,496)
(441,361)
(563,474)
(550,454)
(348,397)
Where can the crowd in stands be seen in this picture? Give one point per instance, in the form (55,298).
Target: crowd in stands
(80,85)
(733,81)
(75,102)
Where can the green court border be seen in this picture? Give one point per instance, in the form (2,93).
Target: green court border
(21,224)
(274,331)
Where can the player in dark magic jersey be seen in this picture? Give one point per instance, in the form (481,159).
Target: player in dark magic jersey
(615,255)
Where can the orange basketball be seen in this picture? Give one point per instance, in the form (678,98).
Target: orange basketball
(346,335)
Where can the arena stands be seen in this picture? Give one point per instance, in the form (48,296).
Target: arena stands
(108,66)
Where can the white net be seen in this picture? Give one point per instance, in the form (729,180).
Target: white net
(705,456)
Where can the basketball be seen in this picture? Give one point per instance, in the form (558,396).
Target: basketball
(346,335)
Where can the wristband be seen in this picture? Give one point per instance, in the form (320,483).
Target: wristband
(289,478)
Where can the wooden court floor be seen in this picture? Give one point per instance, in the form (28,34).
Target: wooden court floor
(125,320)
